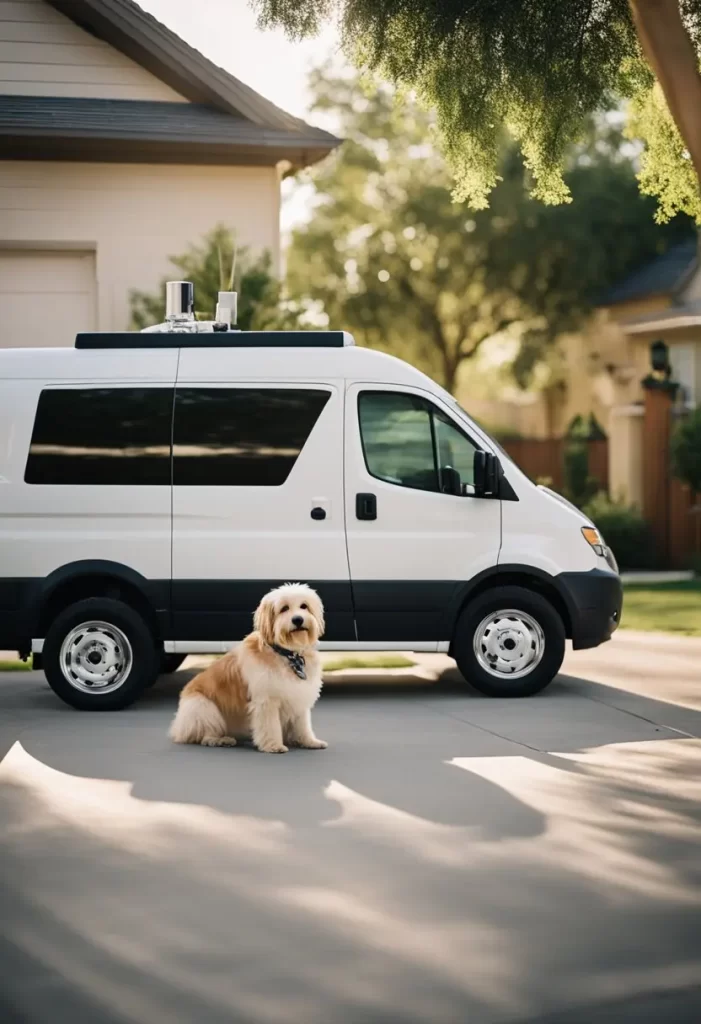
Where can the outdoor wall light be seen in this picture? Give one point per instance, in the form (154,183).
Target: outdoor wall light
(659,357)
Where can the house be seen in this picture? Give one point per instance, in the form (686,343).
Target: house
(120,145)
(661,301)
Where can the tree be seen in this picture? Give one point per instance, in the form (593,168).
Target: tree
(212,265)
(539,69)
(388,254)
(686,450)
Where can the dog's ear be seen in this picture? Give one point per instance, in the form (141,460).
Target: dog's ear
(319,614)
(264,618)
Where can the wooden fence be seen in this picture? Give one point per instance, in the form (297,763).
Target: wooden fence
(683,525)
(545,459)
(670,507)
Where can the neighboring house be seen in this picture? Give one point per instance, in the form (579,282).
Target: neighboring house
(119,146)
(662,300)
(659,301)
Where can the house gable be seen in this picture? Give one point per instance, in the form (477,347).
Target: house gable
(103,80)
(44,53)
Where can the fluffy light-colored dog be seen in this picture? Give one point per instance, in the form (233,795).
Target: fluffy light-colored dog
(264,688)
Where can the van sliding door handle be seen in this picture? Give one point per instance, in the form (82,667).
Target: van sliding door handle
(365,506)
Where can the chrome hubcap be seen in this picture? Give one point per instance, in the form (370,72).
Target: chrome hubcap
(96,657)
(509,643)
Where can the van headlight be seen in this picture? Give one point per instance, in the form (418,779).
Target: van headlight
(596,541)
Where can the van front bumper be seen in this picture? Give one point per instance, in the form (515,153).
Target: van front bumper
(594,601)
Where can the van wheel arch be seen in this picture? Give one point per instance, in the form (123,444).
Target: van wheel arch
(541,585)
(81,584)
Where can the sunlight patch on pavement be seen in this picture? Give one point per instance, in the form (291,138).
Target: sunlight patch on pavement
(107,809)
(429,840)
(453,950)
(606,810)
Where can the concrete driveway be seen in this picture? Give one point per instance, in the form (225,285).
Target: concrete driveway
(448,859)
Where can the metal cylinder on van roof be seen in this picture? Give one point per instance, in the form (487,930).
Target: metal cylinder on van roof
(180,299)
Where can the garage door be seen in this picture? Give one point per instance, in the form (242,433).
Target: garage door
(45,297)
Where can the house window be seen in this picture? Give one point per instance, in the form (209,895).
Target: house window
(96,436)
(682,359)
(241,437)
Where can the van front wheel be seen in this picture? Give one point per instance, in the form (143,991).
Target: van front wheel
(509,642)
(99,655)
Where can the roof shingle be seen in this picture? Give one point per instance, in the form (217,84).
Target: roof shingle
(663,275)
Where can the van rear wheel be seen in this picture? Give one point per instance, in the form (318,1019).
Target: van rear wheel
(509,642)
(99,655)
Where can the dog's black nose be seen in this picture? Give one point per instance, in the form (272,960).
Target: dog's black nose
(297,621)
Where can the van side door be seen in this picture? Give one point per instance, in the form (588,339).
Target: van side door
(411,543)
(257,501)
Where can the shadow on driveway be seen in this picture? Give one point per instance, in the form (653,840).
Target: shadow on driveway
(449,858)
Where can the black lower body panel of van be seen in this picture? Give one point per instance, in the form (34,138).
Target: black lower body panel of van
(11,633)
(594,600)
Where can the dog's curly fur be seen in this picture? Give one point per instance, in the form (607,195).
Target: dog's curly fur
(253,691)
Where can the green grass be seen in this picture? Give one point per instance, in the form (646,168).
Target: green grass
(663,607)
(16,666)
(381,661)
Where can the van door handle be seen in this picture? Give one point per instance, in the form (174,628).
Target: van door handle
(365,506)
(318,513)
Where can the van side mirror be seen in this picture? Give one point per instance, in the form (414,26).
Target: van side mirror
(450,481)
(486,475)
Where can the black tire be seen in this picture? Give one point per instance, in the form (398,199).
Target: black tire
(145,660)
(517,599)
(171,663)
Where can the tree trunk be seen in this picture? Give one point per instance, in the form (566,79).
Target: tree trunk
(670,53)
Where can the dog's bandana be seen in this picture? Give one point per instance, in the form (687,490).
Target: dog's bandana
(295,660)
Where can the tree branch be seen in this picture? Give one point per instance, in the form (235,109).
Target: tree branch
(431,323)
(499,326)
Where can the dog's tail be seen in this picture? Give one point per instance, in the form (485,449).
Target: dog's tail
(196,717)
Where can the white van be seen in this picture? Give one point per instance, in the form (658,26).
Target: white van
(153,486)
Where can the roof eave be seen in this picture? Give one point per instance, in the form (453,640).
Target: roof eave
(92,149)
(677,322)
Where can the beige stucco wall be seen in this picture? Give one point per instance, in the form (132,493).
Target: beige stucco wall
(44,53)
(134,216)
(625,433)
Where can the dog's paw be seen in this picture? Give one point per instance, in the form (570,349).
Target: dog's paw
(218,741)
(315,744)
(274,748)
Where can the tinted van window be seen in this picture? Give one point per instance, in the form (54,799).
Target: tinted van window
(241,437)
(91,436)
(408,441)
(398,439)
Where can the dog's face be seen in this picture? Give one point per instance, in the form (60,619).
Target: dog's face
(291,616)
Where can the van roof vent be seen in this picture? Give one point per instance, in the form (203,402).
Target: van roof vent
(213,339)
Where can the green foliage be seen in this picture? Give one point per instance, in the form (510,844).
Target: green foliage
(663,607)
(389,255)
(579,487)
(686,450)
(381,661)
(665,171)
(210,266)
(538,69)
(624,530)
